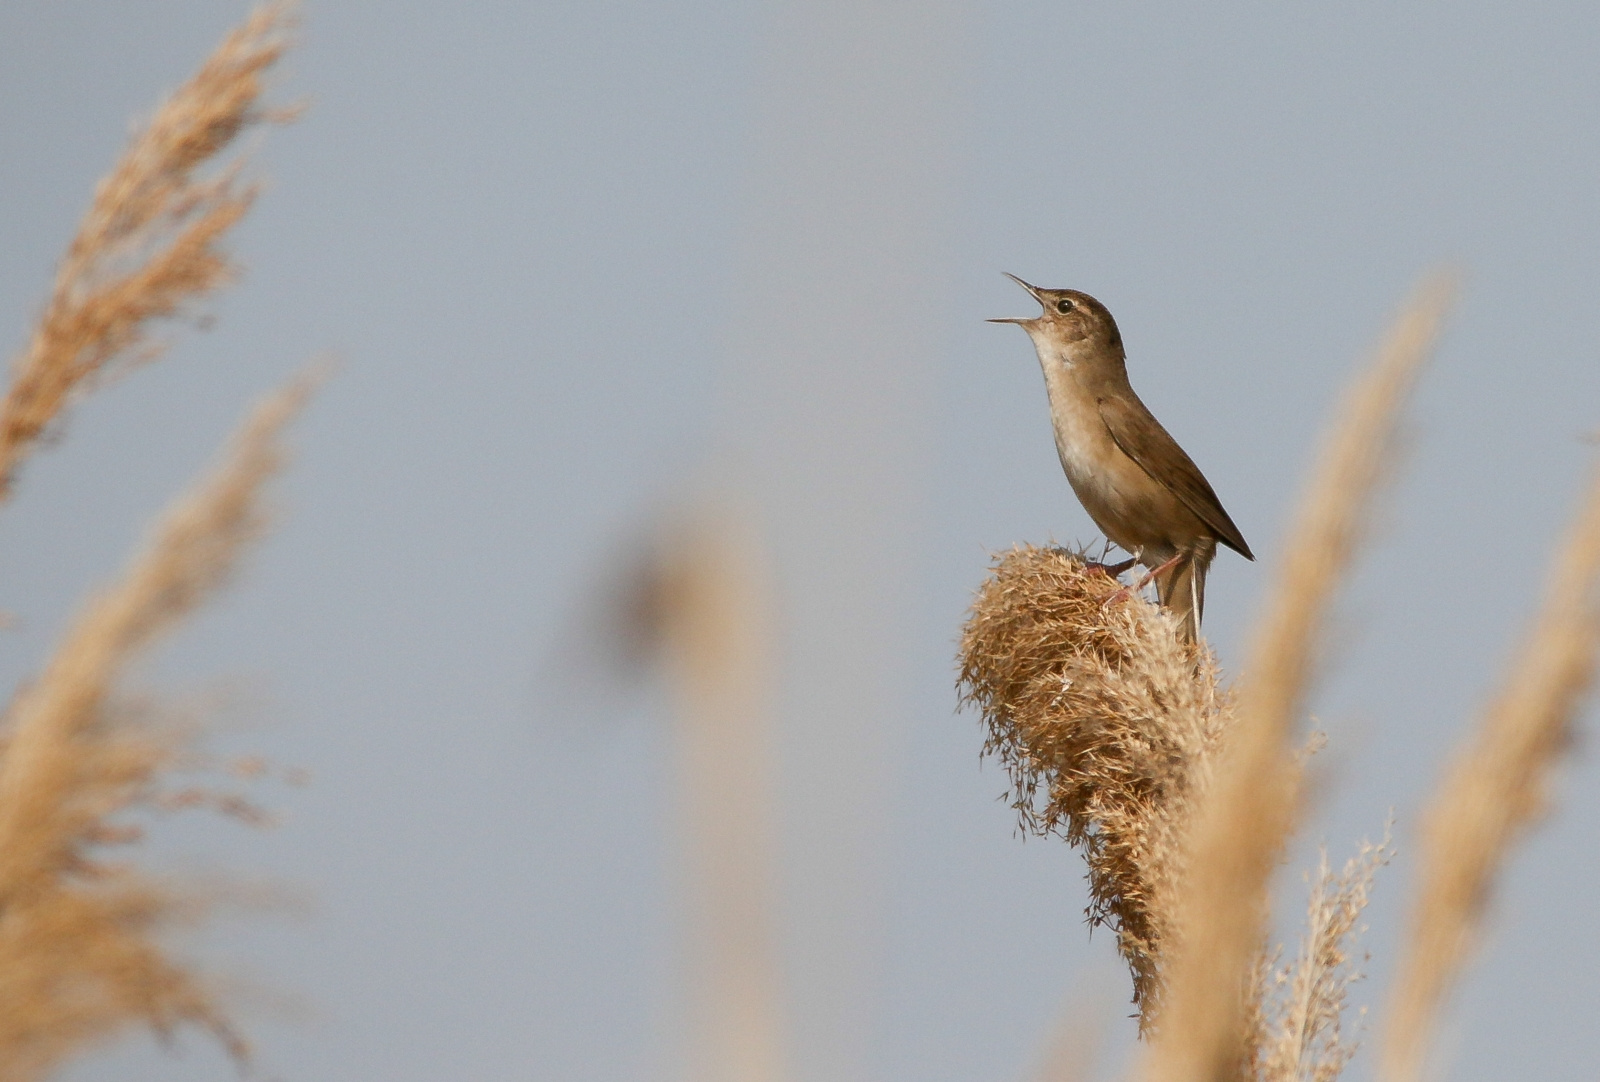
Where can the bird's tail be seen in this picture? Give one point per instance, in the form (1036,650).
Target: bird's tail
(1182,591)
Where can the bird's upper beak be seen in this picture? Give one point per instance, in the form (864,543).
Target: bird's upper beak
(1032,290)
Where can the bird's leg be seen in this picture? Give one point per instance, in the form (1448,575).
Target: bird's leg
(1128,591)
(1151,574)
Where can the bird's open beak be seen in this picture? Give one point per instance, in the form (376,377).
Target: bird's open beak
(1033,291)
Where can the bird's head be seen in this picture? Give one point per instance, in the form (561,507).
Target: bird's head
(1072,325)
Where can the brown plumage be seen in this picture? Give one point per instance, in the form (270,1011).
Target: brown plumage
(1130,475)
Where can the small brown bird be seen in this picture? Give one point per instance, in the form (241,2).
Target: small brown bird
(1129,474)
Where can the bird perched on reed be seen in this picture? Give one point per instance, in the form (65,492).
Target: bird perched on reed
(1130,475)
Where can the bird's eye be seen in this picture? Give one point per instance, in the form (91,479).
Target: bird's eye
(1063,305)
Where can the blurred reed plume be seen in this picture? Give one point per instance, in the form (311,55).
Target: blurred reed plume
(1248,813)
(1108,725)
(1495,791)
(716,623)
(81,952)
(150,242)
(696,605)
(79,957)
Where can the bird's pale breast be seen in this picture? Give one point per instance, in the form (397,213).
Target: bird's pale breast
(1125,502)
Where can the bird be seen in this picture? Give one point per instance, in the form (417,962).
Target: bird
(1136,483)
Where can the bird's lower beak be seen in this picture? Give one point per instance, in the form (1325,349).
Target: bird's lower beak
(1011,319)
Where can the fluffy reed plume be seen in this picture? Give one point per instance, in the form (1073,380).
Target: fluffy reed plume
(1296,1012)
(1107,724)
(1495,790)
(151,241)
(1248,811)
(79,955)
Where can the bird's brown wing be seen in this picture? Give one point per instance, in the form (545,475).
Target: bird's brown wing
(1142,439)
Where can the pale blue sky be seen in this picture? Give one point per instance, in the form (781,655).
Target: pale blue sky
(573,255)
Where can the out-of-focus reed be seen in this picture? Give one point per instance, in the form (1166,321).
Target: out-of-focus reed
(714,618)
(1242,824)
(83,936)
(1495,790)
(80,948)
(693,603)
(150,244)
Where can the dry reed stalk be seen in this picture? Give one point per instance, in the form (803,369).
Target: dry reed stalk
(1296,1025)
(150,242)
(1107,724)
(79,956)
(1495,791)
(1248,811)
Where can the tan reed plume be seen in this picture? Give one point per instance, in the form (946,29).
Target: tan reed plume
(150,242)
(79,955)
(1107,724)
(1248,811)
(1295,1028)
(79,950)
(1495,791)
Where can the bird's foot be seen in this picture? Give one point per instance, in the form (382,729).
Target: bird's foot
(1145,580)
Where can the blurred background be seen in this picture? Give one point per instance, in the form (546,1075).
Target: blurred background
(582,262)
